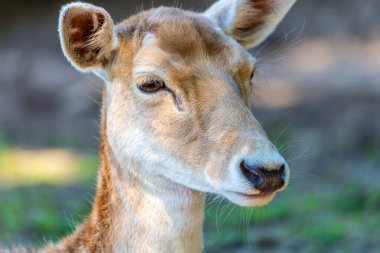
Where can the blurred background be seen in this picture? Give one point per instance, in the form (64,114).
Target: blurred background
(317,93)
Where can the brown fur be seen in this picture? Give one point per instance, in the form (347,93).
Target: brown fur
(158,153)
(254,19)
(254,14)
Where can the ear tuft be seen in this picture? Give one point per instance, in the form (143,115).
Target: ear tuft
(87,35)
(249,21)
(252,14)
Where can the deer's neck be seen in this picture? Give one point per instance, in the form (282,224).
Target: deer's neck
(139,213)
(148,214)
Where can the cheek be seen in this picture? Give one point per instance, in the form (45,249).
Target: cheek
(217,165)
(179,134)
(215,170)
(126,127)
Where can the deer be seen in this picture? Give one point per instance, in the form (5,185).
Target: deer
(175,122)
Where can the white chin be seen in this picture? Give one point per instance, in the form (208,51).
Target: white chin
(249,200)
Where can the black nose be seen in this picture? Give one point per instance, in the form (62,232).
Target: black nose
(264,179)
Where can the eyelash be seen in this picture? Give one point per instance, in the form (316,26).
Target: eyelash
(152,86)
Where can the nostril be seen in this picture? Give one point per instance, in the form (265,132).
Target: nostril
(283,178)
(265,179)
(283,174)
(252,173)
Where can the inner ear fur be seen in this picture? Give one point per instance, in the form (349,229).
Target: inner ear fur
(87,35)
(249,22)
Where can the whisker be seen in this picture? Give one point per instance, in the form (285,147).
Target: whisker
(304,173)
(228,214)
(216,216)
(301,155)
(282,132)
(284,147)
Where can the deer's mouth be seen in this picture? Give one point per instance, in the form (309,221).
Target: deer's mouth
(247,199)
(257,195)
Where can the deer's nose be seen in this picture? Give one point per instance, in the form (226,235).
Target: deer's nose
(263,178)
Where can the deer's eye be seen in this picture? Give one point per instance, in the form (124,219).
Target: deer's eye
(152,86)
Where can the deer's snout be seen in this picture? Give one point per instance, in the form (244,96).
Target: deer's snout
(265,179)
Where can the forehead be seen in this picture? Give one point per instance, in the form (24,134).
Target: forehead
(189,39)
(189,34)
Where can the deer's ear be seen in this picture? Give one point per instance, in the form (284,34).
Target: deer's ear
(87,35)
(249,21)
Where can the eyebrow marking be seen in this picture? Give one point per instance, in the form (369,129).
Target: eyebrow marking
(144,71)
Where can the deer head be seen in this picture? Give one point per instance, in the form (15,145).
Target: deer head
(177,89)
